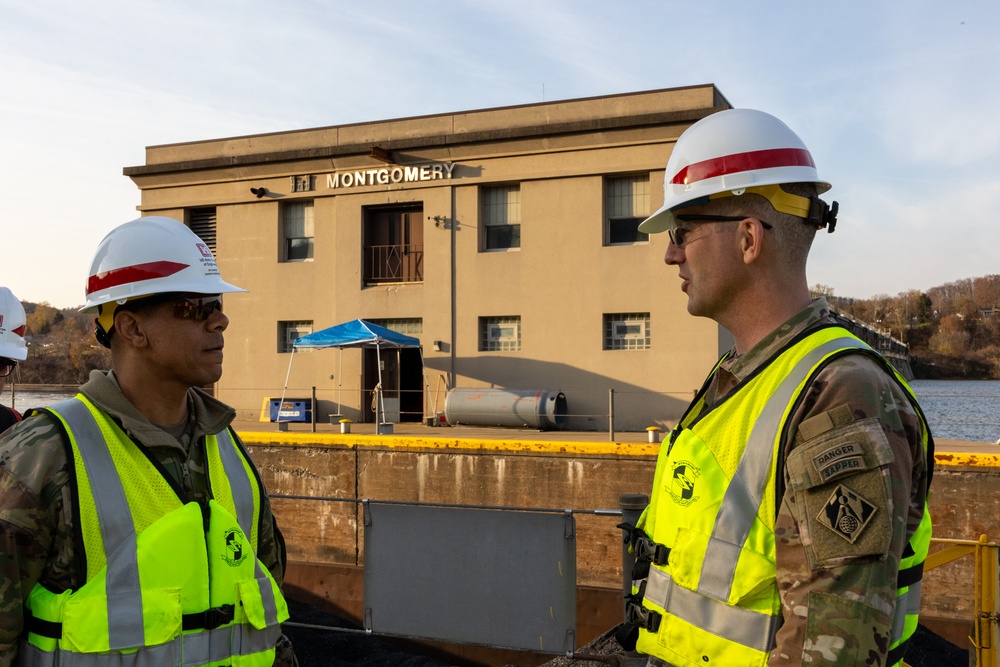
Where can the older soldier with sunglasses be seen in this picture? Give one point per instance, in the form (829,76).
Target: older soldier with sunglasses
(787,522)
(133,523)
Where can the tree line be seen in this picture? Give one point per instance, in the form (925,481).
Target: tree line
(61,346)
(953,331)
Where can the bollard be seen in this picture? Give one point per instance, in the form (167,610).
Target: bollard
(345,425)
(632,505)
(654,433)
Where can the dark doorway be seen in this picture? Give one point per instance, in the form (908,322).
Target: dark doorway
(402,384)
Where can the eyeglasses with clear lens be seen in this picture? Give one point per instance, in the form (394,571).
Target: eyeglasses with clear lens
(196,309)
(678,235)
(7,367)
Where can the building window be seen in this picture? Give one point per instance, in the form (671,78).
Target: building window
(297,231)
(288,332)
(394,244)
(202,222)
(500,334)
(626,331)
(626,204)
(410,326)
(501,217)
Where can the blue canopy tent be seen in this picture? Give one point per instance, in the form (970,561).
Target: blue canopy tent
(357,333)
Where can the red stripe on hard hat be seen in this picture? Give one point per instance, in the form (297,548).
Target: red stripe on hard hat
(133,274)
(20,330)
(731,164)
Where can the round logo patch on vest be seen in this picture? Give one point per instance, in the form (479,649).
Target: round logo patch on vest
(682,483)
(236,551)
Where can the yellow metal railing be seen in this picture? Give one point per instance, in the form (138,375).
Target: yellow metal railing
(985,638)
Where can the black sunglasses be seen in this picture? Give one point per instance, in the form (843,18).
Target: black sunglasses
(186,307)
(7,367)
(678,235)
(198,308)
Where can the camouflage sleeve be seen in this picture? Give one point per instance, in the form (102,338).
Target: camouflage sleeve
(855,481)
(34,513)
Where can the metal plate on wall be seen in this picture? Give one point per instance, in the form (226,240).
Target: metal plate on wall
(474,576)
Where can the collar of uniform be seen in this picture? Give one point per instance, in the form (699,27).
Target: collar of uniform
(741,366)
(211,415)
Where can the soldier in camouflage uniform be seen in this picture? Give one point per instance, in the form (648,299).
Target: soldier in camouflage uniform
(164,345)
(852,456)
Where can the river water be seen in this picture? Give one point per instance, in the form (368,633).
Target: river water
(955,409)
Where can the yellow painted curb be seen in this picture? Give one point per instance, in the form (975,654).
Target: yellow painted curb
(413,442)
(967,459)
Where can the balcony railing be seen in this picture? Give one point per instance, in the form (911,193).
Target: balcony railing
(394,263)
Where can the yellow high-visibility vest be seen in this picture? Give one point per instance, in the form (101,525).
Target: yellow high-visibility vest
(710,596)
(168,582)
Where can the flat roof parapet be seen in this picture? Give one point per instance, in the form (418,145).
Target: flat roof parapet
(593,114)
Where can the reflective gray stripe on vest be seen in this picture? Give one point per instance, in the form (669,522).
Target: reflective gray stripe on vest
(743,626)
(125,625)
(232,463)
(239,483)
(185,651)
(907,604)
(745,492)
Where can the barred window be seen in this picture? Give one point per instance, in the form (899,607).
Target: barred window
(404,325)
(288,332)
(626,331)
(626,204)
(500,334)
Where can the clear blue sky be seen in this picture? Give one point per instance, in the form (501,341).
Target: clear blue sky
(899,103)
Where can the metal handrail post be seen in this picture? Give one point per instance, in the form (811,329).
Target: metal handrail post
(987,599)
(611,415)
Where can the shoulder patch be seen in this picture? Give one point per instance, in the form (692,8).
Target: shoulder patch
(841,459)
(847,513)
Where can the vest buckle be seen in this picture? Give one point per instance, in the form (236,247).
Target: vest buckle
(649,551)
(643,618)
(210,619)
(218,616)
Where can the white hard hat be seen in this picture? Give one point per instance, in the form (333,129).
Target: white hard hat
(12,324)
(152,255)
(729,153)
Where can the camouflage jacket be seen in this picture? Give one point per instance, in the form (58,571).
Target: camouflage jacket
(36,503)
(838,596)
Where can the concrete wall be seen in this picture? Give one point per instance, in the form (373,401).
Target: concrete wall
(965,500)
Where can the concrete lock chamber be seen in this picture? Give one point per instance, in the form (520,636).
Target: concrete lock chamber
(518,408)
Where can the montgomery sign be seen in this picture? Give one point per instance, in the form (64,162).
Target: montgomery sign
(390,175)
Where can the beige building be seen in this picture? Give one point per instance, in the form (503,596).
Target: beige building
(504,240)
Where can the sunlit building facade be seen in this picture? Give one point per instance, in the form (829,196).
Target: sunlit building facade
(503,239)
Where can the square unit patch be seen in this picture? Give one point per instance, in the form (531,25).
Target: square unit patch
(846,513)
